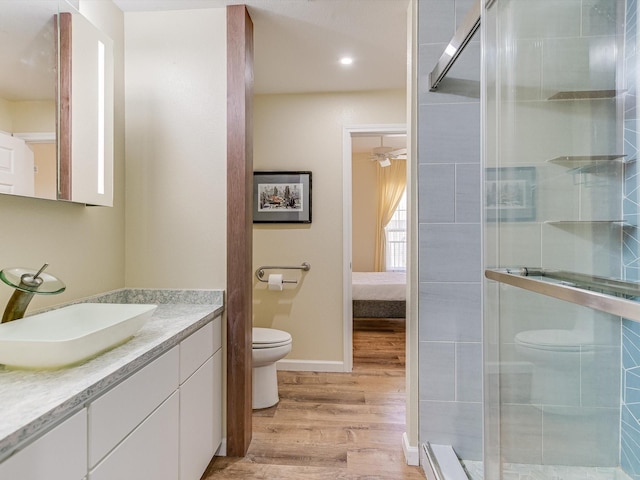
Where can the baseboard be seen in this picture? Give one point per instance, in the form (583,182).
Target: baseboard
(222,449)
(411,453)
(310,366)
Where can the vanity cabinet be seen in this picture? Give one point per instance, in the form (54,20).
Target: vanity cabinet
(60,454)
(200,400)
(163,422)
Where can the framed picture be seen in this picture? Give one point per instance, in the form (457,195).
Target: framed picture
(282,197)
(510,194)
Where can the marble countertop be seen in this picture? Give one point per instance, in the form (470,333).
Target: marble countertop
(31,402)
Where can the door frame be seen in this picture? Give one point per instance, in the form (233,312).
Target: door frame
(347,207)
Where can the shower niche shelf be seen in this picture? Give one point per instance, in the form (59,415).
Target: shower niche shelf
(610,295)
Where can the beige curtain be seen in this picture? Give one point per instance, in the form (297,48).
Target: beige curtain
(392,181)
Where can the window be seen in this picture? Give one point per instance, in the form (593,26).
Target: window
(396,233)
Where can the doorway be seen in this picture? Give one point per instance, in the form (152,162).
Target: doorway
(360,141)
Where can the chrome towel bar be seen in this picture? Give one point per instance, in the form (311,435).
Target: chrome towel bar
(600,293)
(260,271)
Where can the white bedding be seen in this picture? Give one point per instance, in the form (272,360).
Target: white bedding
(379,285)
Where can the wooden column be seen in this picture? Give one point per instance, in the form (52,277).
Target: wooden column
(239,227)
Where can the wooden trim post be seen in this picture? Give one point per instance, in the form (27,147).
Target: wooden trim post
(239,227)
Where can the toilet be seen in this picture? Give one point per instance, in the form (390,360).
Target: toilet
(269,346)
(557,358)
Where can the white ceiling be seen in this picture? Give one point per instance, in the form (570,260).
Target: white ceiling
(297,46)
(365,143)
(298,43)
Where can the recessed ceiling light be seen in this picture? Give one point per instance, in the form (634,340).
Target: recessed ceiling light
(346,60)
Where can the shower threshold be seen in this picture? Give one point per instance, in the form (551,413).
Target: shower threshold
(609,295)
(521,471)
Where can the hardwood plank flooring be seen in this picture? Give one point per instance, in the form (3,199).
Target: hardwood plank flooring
(344,426)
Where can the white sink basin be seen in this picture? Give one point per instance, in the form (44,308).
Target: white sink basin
(68,335)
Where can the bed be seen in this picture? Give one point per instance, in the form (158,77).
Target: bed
(379,294)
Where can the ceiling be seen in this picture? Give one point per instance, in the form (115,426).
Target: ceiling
(297,47)
(298,43)
(366,142)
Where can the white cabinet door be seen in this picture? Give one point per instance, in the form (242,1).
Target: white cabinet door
(123,408)
(217,400)
(16,166)
(150,452)
(60,454)
(196,422)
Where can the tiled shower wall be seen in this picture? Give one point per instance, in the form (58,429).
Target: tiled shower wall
(450,321)
(630,426)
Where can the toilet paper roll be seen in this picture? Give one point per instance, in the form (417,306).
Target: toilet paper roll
(275,281)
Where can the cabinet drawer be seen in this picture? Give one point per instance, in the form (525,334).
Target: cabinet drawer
(150,452)
(196,349)
(60,454)
(123,408)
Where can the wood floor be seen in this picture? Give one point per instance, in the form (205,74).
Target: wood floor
(342,426)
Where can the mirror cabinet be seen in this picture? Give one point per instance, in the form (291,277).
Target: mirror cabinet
(56,104)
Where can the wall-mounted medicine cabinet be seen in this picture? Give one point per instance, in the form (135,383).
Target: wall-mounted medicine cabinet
(56,104)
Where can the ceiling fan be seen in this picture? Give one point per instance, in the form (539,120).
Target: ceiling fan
(383,155)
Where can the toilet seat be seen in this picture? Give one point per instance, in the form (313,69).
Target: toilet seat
(555,340)
(270,338)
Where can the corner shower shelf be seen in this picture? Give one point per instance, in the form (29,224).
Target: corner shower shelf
(583,95)
(582,161)
(605,294)
(621,223)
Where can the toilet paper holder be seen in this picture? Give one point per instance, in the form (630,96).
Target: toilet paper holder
(260,271)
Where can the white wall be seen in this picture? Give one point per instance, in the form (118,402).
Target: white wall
(176,149)
(83,245)
(304,132)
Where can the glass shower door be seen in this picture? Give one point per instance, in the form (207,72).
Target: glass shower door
(557,237)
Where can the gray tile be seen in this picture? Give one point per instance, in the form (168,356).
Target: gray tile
(567,64)
(437,372)
(515,377)
(599,18)
(449,133)
(524,70)
(468,196)
(469,372)
(436,21)
(555,377)
(450,312)
(458,424)
(600,377)
(521,434)
(581,436)
(436,193)
(450,253)
(532,19)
